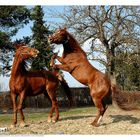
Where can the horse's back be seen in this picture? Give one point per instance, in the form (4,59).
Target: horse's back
(34,82)
(41,78)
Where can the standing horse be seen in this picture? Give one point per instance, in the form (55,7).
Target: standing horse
(74,61)
(30,83)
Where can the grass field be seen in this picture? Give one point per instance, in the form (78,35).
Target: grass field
(77,121)
(5,119)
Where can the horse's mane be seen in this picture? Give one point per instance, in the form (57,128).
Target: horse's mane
(24,66)
(20,67)
(75,46)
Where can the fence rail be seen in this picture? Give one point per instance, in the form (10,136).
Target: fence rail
(81,98)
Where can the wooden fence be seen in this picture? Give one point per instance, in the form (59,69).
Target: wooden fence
(81,98)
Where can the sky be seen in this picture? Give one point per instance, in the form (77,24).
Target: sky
(4,81)
(70,2)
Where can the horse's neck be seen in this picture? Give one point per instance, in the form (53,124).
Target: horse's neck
(72,46)
(17,70)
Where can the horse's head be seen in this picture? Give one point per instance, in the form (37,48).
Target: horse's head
(25,52)
(59,37)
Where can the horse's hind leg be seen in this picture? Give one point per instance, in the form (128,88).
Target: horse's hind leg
(51,114)
(52,108)
(101,106)
(14,98)
(52,96)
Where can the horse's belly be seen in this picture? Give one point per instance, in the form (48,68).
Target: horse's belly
(36,86)
(36,90)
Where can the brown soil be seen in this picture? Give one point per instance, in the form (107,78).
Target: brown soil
(115,121)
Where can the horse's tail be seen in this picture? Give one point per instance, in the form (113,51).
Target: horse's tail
(123,99)
(66,89)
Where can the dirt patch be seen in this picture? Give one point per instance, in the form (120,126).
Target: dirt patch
(115,121)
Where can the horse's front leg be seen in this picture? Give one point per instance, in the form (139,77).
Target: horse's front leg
(13,98)
(62,67)
(55,56)
(60,59)
(53,59)
(20,106)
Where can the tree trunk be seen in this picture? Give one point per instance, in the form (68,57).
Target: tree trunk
(110,54)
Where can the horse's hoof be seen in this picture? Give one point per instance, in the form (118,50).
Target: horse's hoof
(54,121)
(12,126)
(49,120)
(95,124)
(22,124)
(54,67)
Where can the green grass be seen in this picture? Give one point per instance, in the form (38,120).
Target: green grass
(6,119)
(76,111)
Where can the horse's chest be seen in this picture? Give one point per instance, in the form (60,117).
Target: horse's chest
(73,59)
(70,62)
(18,84)
(19,88)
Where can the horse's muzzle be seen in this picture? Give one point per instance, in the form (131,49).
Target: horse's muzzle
(36,53)
(50,40)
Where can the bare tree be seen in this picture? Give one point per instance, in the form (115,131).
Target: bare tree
(114,26)
(2,87)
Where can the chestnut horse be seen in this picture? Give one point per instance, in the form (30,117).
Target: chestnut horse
(30,83)
(74,61)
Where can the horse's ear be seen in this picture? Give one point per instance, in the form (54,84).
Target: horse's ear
(65,28)
(17,46)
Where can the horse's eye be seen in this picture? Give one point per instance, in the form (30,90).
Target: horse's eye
(58,32)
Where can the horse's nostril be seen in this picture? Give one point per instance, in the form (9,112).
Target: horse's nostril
(50,39)
(36,51)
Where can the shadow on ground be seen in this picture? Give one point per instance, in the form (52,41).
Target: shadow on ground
(75,117)
(119,118)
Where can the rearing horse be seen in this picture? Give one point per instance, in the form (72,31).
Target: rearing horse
(74,61)
(31,83)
